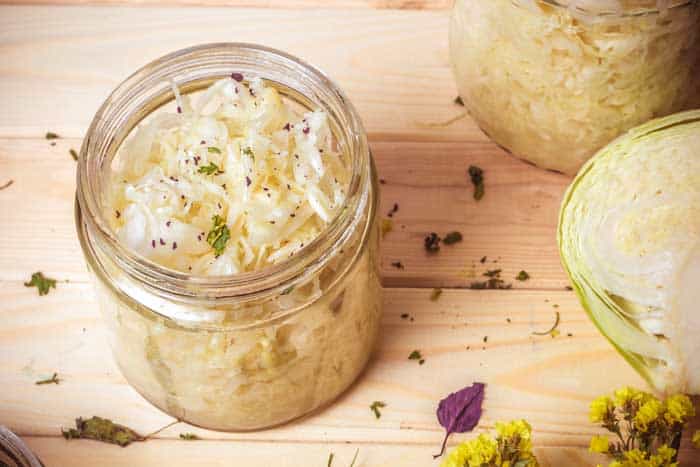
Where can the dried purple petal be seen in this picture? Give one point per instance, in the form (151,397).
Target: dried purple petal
(460,411)
(237,76)
(247,181)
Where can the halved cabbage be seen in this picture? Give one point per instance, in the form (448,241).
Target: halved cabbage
(629,238)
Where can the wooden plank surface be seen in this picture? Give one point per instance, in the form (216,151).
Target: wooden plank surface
(538,378)
(58,63)
(335,4)
(513,225)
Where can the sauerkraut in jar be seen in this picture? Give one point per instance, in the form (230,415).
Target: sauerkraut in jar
(227,208)
(553,81)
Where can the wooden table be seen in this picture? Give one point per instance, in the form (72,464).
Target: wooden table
(58,62)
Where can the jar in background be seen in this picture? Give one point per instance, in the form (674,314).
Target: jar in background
(251,350)
(552,81)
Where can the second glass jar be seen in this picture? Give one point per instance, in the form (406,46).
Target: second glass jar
(554,81)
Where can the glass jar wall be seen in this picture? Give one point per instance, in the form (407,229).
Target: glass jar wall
(250,350)
(553,81)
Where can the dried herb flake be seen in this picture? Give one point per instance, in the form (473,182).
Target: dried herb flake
(376,405)
(214,150)
(452,238)
(522,276)
(41,282)
(73,154)
(435,294)
(102,429)
(458,100)
(7,185)
(398,265)
(432,242)
(394,210)
(51,135)
(53,380)
(477,176)
(553,330)
(188,436)
(387,226)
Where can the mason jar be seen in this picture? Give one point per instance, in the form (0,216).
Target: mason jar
(250,350)
(553,81)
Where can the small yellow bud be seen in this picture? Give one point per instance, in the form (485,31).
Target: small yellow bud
(599,444)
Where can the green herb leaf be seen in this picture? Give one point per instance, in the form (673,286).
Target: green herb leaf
(188,436)
(458,100)
(102,429)
(435,294)
(51,135)
(522,276)
(210,169)
(553,330)
(53,380)
(452,238)
(214,150)
(41,282)
(477,177)
(73,154)
(416,355)
(376,405)
(219,235)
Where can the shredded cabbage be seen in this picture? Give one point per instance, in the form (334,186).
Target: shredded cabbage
(629,236)
(553,84)
(238,151)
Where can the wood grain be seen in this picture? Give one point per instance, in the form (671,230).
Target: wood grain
(513,225)
(57,64)
(335,4)
(547,380)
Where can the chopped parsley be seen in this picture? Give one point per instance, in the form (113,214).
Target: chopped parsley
(188,436)
(53,380)
(376,405)
(211,169)
(219,235)
(452,238)
(477,176)
(41,282)
(102,429)
(214,150)
(522,276)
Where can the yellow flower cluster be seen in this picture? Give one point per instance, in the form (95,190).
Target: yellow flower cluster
(600,408)
(637,458)
(600,444)
(484,450)
(696,439)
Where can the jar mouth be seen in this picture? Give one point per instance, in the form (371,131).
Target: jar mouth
(613,8)
(148,89)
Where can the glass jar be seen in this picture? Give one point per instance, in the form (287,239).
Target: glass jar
(553,81)
(251,350)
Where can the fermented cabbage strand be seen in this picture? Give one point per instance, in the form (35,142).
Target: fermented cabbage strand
(238,151)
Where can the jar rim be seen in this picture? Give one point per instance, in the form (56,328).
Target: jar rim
(619,11)
(180,66)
